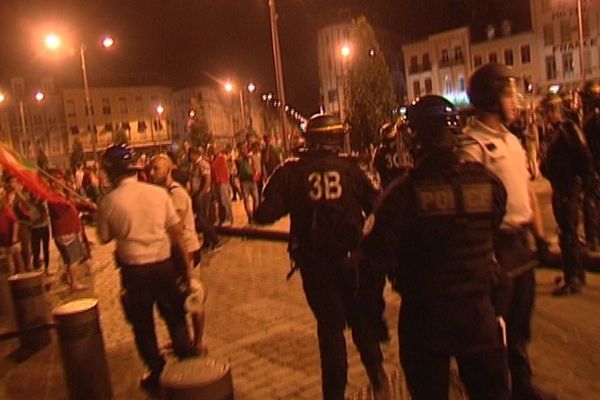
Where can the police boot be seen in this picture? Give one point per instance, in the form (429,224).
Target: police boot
(380,385)
(568,288)
(532,393)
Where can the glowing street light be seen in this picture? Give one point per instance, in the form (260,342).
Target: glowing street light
(2,97)
(251,87)
(160,109)
(345,51)
(39,96)
(52,41)
(228,86)
(108,41)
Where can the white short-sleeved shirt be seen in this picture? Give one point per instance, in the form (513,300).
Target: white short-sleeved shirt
(183,205)
(137,215)
(502,153)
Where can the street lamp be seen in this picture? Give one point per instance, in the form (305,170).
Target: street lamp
(53,42)
(39,96)
(159,112)
(229,88)
(580,26)
(278,69)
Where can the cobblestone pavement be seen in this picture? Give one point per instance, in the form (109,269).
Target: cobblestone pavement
(260,322)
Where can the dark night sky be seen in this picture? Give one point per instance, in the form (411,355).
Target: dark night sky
(179,42)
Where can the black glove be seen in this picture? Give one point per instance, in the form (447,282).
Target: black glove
(543,251)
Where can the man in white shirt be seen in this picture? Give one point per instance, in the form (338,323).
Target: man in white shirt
(161,167)
(492,92)
(142,220)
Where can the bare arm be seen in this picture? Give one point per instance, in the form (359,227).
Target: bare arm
(536,222)
(176,236)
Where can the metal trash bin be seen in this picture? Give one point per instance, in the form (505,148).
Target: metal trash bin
(82,350)
(7,313)
(31,309)
(198,378)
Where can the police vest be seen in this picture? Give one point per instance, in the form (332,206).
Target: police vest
(450,251)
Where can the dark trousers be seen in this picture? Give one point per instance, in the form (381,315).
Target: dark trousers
(431,331)
(329,289)
(202,203)
(512,252)
(566,205)
(40,240)
(590,220)
(144,286)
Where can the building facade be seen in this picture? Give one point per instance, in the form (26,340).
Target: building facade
(334,54)
(519,51)
(556,25)
(438,65)
(32,119)
(143,115)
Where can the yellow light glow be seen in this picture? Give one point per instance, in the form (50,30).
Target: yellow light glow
(251,87)
(52,41)
(228,86)
(345,50)
(160,109)
(108,41)
(39,96)
(2,97)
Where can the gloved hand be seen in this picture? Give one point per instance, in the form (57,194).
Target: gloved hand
(543,251)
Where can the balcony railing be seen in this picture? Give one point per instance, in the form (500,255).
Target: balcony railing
(416,68)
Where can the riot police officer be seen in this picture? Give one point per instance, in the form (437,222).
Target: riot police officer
(492,92)
(326,195)
(437,225)
(568,165)
(391,160)
(590,99)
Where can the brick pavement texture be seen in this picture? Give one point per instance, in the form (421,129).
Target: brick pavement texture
(260,323)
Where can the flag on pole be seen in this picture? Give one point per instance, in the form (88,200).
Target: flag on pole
(27,172)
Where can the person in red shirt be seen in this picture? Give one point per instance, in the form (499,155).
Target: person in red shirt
(220,174)
(9,241)
(67,230)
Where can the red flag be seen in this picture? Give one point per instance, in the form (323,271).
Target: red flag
(28,174)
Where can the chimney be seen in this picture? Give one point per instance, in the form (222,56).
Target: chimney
(490,31)
(506,27)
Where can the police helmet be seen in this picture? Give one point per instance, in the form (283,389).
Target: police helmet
(487,85)
(590,96)
(551,102)
(388,132)
(325,129)
(118,160)
(431,121)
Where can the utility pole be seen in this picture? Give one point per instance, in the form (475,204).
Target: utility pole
(278,72)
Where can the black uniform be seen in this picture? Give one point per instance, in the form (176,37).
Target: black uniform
(326,196)
(568,165)
(389,163)
(437,227)
(591,129)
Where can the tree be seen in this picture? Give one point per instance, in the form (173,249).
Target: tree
(198,132)
(369,87)
(41,159)
(121,136)
(76,154)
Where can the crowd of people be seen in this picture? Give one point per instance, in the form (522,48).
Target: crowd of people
(444,209)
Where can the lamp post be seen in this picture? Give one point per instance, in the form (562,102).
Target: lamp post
(580,29)
(229,86)
(345,51)
(251,88)
(54,42)
(159,112)
(278,70)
